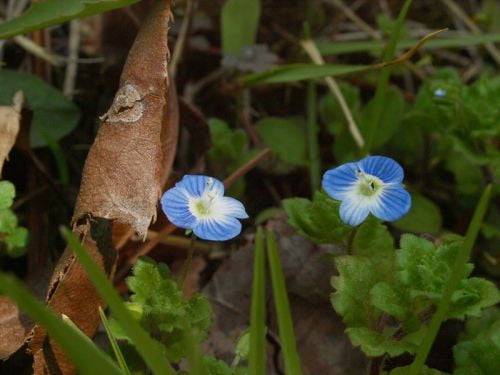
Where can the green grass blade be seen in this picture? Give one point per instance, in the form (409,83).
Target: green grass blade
(79,348)
(46,13)
(283,313)
(383,79)
(114,345)
(239,24)
(257,355)
(60,158)
(376,46)
(300,72)
(149,349)
(452,283)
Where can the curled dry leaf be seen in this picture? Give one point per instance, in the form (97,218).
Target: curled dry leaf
(121,182)
(10,119)
(121,177)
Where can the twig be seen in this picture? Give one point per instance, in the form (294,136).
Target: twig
(36,50)
(181,40)
(313,52)
(244,169)
(72,67)
(460,13)
(375,34)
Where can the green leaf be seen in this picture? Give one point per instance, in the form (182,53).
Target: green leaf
(424,216)
(149,348)
(240,20)
(391,115)
(46,13)
(372,239)
(375,344)
(86,356)
(389,300)
(7,194)
(8,221)
(286,138)
(478,350)
(163,311)
(53,114)
(318,220)
(16,242)
(425,371)
(300,72)
(282,306)
(257,347)
(357,276)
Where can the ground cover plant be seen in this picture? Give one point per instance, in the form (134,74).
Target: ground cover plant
(249,187)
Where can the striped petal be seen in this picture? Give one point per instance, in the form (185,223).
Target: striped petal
(196,185)
(217,229)
(227,206)
(393,203)
(175,205)
(338,181)
(382,167)
(353,210)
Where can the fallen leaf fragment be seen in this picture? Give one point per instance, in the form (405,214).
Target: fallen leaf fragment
(122,174)
(10,120)
(13,327)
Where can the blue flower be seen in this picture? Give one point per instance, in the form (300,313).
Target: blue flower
(198,203)
(371,185)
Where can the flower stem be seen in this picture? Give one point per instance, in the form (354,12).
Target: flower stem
(187,263)
(312,135)
(452,283)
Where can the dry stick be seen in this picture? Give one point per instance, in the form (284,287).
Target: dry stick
(181,40)
(72,67)
(460,13)
(371,31)
(148,246)
(36,50)
(355,18)
(313,52)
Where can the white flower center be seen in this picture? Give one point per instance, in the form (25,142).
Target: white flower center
(368,185)
(202,207)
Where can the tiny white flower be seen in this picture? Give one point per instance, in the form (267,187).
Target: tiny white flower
(198,203)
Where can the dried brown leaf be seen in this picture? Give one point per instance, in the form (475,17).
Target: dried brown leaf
(10,120)
(13,327)
(121,182)
(122,173)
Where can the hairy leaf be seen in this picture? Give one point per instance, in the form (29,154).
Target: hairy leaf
(318,220)
(7,194)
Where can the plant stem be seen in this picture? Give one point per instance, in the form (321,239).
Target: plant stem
(312,135)
(452,283)
(187,263)
(383,80)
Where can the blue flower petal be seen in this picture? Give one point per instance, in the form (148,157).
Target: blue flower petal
(337,181)
(220,229)
(393,203)
(175,205)
(353,211)
(382,167)
(196,185)
(227,206)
